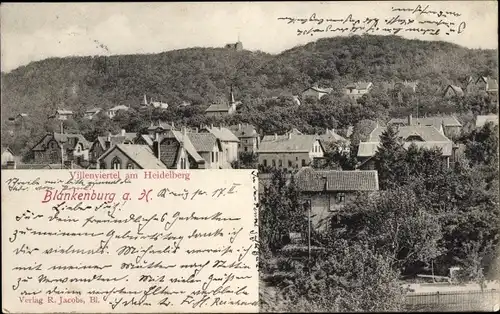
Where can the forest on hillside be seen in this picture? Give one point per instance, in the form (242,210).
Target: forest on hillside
(200,76)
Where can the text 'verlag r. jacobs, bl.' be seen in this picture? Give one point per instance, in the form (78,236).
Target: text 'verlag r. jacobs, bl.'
(129,243)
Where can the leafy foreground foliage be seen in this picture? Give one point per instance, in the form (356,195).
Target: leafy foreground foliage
(426,214)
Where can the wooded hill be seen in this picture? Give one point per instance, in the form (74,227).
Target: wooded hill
(202,75)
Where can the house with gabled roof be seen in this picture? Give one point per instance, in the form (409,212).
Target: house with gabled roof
(209,148)
(315,92)
(228,140)
(481,120)
(453,91)
(91,113)
(487,84)
(290,151)
(327,191)
(448,124)
(358,89)
(59,147)
(160,127)
(129,156)
(248,136)
(223,107)
(176,151)
(62,114)
(112,112)
(422,136)
(8,156)
(330,137)
(103,143)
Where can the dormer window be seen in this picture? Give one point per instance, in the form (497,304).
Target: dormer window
(414,138)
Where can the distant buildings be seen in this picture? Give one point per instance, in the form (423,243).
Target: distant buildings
(453,91)
(153,104)
(447,125)
(8,156)
(248,136)
(62,114)
(129,156)
(358,89)
(228,140)
(112,112)
(237,46)
(328,191)
(422,136)
(289,151)
(315,92)
(487,84)
(59,148)
(91,113)
(481,120)
(160,127)
(103,143)
(223,108)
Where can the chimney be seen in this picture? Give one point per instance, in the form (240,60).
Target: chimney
(156,146)
(275,136)
(410,120)
(122,132)
(211,126)
(195,130)
(108,141)
(290,135)
(239,127)
(173,127)
(11,164)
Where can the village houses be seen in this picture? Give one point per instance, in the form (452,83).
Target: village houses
(59,148)
(129,156)
(447,125)
(358,89)
(209,148)
(153,104)
(481,120)
(62,114)
(91,113)
(248,136)
(103,143)
(112,112)
(290,151)
(176,151)
(422,136)
(315,92)
(228,140)
(223,107)
(453,91)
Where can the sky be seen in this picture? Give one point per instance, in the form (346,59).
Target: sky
(36,31)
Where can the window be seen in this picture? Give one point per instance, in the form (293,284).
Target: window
(303,162)
(280,163)
(274,163)
(213,157)
(290,165)
(102,165)
(217,157)
(116,163)
(340,197)
(130,166)
(183,163)
(246,148)
(265,162)
(296,158)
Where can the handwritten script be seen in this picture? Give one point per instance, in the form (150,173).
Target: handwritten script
(417,19)
(125,242)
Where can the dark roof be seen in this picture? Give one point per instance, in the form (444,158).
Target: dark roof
(62,139)
(220,107)
(162,125)
(203,142)
(147,139)
(128,137)
(171,157)
(287,143)
(7,149)
(458,90)
(436,121)
(327,90)
(331,136)
(63,111)
(310,180)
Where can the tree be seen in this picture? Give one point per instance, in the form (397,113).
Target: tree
(482,145)
(389,159)
(362,130)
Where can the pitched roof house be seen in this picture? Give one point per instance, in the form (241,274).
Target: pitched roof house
(62,114)
(328,191)
(103,143)
(448,125)
(228,140)
(487,84)
(248,136)
(223,107)
(453,91)
(210,149)
(358,89)
(481,120)
(130,156)
(91,113)
(176,151)
(112,112)
(54,147)
(7,155)
(316,92)
(422,136)
(290,150)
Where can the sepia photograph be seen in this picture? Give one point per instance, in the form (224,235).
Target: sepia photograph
(347,151)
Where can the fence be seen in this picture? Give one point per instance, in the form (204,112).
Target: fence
(453,301)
